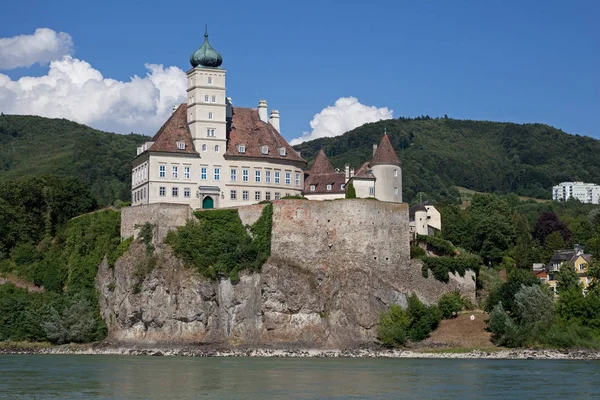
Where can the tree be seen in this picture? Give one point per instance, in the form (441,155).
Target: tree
(350,191)
(567,279)
(547,223)
(554,242)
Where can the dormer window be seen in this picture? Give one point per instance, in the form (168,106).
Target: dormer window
(329,187)
(181,145)
(264,149)
(242,148)
(313,188)
(282,151)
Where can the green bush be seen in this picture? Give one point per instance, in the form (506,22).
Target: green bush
(450,303)
(440,246)
(417,251)
(442,266)
(294,198)
(219,245)
(350,191)
(118,252)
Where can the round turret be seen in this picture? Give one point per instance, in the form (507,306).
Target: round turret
(206,56)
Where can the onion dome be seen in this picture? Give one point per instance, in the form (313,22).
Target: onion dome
(206,56)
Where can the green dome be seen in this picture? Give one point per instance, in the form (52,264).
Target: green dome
(206,56)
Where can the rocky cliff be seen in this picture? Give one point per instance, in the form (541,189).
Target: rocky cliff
(334,267)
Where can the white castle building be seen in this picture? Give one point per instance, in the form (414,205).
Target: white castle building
(210,154)
(584,192)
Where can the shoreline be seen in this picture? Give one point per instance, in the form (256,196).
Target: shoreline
(197,351)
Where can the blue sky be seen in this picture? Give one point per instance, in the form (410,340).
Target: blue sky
(519,61)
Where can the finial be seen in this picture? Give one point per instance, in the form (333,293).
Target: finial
(385,129)
(206,30)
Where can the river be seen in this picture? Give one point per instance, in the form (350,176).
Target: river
(128,377)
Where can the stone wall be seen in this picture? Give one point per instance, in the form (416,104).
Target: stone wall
(334,267)
(164,216)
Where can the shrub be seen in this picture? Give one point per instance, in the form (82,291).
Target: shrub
(440,246)
(294,198)
(350,191)
(442,266)
(118,252)
(146,233)
(417,251)
(450,303)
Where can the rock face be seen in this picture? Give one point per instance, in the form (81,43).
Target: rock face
(334,267)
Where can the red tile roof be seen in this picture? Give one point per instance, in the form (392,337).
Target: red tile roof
(249,130)
(364,172)
(385,153)
(335,179)
(322,165)
(173,131)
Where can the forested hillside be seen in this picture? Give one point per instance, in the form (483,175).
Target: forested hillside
(32,145)
(496,157)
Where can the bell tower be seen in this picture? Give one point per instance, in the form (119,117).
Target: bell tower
(207,101)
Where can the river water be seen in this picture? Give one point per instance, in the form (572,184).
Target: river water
(128,377)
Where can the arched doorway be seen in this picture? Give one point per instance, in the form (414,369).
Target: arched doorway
(208,202)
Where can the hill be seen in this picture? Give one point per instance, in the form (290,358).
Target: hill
(31,145)
(439,154)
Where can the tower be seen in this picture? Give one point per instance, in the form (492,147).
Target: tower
(207,102)
(387,169)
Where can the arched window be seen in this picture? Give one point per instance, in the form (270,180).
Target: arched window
(214,99)
(209,115)
(210,80)
(216,148)
(206,98)
(203,147)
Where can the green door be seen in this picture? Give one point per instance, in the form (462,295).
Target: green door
(208,202)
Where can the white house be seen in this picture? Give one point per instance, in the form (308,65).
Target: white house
(584,192)
(210,154)
(424,219)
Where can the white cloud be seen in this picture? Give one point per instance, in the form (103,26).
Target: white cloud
(43,46)
(74,90)
(346,114)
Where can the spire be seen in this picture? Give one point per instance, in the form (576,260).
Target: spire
(385,153)
(206,56)
(322,165)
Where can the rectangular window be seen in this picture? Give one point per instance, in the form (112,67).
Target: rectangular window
(233,195)
(288,178)
(162,171)
(244,195)
(395,172)
(277,195)
(186,172)
(217,174)
(276,177)
(203,173)
(297,179)
(396,191)
(175,192)
(162,191)
(256,195)
(233,175)
(267,195)
(257,176)
(268,176)
(329,187)
(181,145)
(371,191)
(174,171)
(187,192)
(245,175)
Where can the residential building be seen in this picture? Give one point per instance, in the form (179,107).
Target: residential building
(424,219)
(575,258)
(584,192)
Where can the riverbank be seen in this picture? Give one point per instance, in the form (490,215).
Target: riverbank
(203,351)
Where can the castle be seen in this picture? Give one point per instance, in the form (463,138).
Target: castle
(210,154)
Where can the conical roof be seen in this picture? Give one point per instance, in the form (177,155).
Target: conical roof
(322,165)
(385,153)
(206,56)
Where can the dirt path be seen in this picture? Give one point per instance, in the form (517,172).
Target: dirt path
(20,283)
(461,332)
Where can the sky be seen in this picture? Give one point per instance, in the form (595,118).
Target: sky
(327,66)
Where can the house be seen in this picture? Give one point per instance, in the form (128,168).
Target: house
(210,154)
(584,192)
(380,178)
(424,219)
(575,258)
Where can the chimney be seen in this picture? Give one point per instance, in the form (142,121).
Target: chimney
(262,110)
(351,172)
(347,171)
(274,119)
(374,149)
